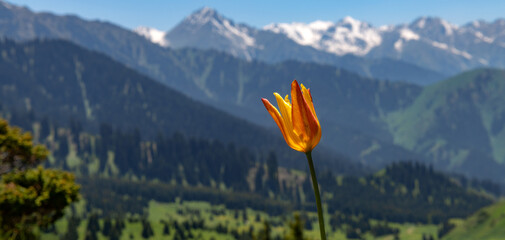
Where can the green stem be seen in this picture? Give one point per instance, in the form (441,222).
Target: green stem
(318,198)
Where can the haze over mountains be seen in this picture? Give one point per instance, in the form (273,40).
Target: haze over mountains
(372,121)
(429,43)
(207,29)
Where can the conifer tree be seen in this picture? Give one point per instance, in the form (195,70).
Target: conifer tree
(90,235)
(147,230)
(273,175)
(107,227)
(166,229)
(265,233)
(258,179)
(29,196)
(93,225)
(296,229)
(73,223)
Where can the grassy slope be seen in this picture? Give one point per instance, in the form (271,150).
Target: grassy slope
(486,224)
(169,211)
(456,120)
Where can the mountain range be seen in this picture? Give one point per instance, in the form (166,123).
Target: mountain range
(207,29)
(371,121)
(218,79)
(432,44)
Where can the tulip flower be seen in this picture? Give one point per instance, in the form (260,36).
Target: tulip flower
(297,121)
(301,129)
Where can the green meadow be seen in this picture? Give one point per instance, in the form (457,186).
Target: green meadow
(213,216)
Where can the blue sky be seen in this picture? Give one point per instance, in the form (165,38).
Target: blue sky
(164,14)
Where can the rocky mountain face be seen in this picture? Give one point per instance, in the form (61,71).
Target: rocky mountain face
(428,42)
(431,44)
(207,29)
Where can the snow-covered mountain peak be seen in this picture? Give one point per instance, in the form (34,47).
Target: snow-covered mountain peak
(153,34)
(352,24)
(470,45)
(208,29)
(420,22)
(434,25)
(204,16)
(476,23)
(239,34)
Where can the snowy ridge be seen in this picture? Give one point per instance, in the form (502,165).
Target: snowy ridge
(347,36)
(451,49)
(481,36)
(154,35)
(234,33)
(408,34)
(405,35)
(449,28)
(351,36)
(472,45)
(237,34)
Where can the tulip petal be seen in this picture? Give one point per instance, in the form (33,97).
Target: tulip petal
(297,120)
(308,95)
(281,124)
(308,98)
(316,139)
(304,122)
(285,110)
(275,115)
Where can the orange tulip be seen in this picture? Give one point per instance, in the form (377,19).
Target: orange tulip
(297,121)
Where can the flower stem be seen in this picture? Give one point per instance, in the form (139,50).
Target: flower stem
(316,193)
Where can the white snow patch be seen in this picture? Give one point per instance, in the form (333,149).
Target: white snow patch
(152,34)
(449,28)
(476,23)
(399,45)
(422,22)
(347,36)
(408,34)
(386,28)
(405,36)
(483,38)
(440,45)
(353,22)
(483,61)
(451,49)
(234,33)
(299,32)
(320,25)
(238,35)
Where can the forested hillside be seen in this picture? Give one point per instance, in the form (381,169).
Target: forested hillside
(61,81)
